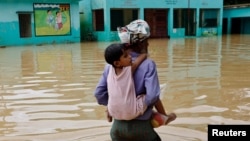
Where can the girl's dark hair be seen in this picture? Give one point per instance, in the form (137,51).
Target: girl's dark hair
(113,52)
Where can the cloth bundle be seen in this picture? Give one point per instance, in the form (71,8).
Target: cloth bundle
(137,30)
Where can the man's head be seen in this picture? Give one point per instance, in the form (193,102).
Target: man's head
(135,32)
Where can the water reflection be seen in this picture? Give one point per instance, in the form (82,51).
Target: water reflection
(46,92)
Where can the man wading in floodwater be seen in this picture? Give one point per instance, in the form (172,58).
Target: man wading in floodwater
(146,82)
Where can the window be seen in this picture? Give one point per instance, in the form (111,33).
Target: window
(208,18)
(98,20)
(185,18)
(116,14)
(179,18)
(125,16)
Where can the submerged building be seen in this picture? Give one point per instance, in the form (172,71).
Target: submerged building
(167,18)
(37,22)
(236,19)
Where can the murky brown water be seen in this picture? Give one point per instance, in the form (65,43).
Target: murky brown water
(46,92)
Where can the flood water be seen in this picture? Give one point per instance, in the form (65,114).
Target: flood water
(46,92)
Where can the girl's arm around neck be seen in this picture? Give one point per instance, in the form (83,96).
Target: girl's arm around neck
(138,61)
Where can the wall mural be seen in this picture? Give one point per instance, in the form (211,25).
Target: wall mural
(52,19)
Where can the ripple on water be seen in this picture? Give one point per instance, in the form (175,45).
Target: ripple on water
(91,130)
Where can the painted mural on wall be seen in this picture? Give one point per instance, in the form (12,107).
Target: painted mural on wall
(52,19)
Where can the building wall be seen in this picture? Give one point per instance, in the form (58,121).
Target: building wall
(10,26)
(170,5)
(237,19)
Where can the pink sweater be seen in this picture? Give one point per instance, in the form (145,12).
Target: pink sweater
(123,103)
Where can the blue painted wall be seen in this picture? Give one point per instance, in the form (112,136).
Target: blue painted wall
(238,12)
(88,5)
(9,23)
(82,20)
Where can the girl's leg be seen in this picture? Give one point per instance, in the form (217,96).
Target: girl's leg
(159,119)
(109,117)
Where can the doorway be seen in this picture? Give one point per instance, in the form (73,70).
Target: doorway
(190,22)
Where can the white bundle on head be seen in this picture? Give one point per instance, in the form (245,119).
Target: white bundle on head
(123,34)
(137,30)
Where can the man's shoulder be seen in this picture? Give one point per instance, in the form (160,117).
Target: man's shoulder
(107,68)
(149,61)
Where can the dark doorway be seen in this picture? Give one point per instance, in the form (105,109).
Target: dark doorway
(236,26)
(25,25)
(190,22)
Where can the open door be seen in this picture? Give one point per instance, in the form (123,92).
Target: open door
(157,20)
